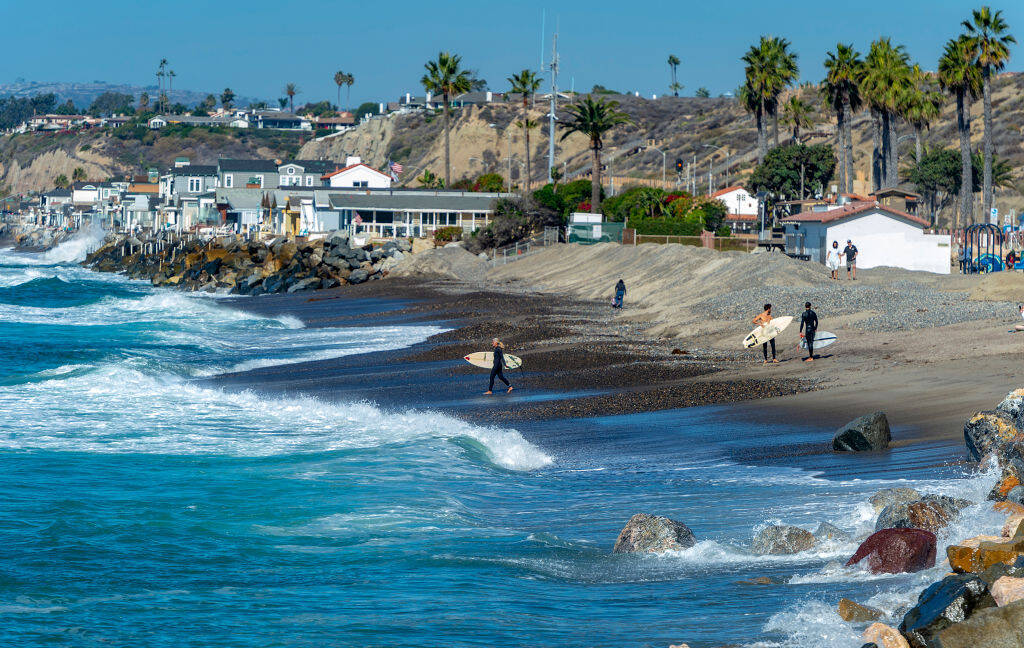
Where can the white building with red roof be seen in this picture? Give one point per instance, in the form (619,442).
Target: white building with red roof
(355,174)
(882,234)
(741,208)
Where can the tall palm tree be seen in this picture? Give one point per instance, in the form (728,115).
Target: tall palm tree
(959,76)
(796,113)
(143,102)
(989,39)
(673,64)
(921,105)
(170,84)
(886,78)
(339,78)
(770,68)
(526,84)
(593,118)
(349,80)
(844,69)
(291,90)
(446,77)
(160,84)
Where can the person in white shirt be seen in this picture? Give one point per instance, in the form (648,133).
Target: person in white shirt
(832,259)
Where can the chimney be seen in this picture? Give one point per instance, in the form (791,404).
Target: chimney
(489,96)
(408,98)
(428,96)
(381,108)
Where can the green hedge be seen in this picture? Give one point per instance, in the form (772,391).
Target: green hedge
(667,226)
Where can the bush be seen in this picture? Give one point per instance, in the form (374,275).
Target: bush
(690,225)
(635,202)
(723,231)
(489,182)
(448,234)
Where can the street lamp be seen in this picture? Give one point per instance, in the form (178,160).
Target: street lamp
(716,148)
(663,158)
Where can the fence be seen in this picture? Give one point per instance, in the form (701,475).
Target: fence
(524,248)
(588,233)
(720,243)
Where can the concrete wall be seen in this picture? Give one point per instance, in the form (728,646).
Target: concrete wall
(885,241)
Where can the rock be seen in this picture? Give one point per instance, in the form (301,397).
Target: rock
(857,613)
(1007,589)
(397,255)
(888,496)
(1001,491)
(388,264)
(951,600)
(1012,525)
(358,276)
(404,245)
(884,636)
(931,512)
(310,283)
(895,551)
(981,552)
(422,245)
(993,627)
(455,244)
(646,533)
(758,580)
(869,432)
(986,431)
(1013,406)
(1008,508)
(826,531)
(681,645)
(782,539)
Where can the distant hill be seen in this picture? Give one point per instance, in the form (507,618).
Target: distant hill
(83,93)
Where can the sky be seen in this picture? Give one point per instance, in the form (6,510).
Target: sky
(257,46)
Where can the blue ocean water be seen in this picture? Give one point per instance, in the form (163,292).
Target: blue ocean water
(139,507)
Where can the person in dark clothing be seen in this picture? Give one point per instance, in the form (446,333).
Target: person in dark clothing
(762,320)
(620,293)
(808,327)
(851,252)
(497,365)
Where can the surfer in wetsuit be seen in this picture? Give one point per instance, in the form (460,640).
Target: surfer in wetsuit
(808,327)
(497,365)
(762,320)
(620,293)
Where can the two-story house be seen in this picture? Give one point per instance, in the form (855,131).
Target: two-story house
(280,120)
(235,174)
(304,173)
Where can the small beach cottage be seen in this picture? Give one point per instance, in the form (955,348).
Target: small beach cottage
(883,235)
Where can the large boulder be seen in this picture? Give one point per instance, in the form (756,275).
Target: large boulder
(856,613)
(951,600)
(883,636)
(827,531)
(1007,589)
(1013,405)
(358,276)
(646,533)
(931,512)
(986,431)
(992,627)
(888,496)
(782,539)
(979,553)
(896,551)
(869,432)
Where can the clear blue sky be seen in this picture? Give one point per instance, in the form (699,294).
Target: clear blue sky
(256,46)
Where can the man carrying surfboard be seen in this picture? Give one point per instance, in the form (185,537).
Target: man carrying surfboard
(762,320)
(496,366)
(808,327)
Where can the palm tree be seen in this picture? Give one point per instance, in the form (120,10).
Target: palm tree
(770,68)
(702,92)
(61,181)
(78,174)
(797,114)
(446,77)
(960,76)
(990,42)
(673,64)
(349,80)
(886,78)
(339,78)
(291,90)
(922,104)
(593,118)
(430,180)
(170,84)
(526,84)
(160,83)
(843,71)
(144,102)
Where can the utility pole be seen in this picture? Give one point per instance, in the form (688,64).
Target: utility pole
(553,68)
(709,175)
(693,177)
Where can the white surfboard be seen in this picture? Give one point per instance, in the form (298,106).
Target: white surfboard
(762,334)
(485,359)
(821,339)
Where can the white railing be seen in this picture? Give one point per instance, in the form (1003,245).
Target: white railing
(521,249)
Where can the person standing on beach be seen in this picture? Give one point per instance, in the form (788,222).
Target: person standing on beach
(808,327)
(832,260)
(850,252)
(620,293)
(762,320)
(497,366)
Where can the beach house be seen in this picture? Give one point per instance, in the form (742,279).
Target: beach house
(355,174)
(741,207)
(411,212)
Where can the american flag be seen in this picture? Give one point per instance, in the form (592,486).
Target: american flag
(358,219)
(396,168)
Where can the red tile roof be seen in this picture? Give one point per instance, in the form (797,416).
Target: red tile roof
(722,192)
(852,209)
(741,217)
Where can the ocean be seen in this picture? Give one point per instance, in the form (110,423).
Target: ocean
(140,506)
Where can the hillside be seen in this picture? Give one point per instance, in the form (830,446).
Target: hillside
(83,93)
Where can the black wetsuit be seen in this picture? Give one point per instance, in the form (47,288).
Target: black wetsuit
(809,326)
(496,367)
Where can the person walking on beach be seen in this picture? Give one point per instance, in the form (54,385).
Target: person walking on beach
(961,253)
(850,252)
(808,327)
(620,293)
(762,320)
(832,260)
(497,366)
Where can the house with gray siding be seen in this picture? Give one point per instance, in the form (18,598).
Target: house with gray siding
(237,174)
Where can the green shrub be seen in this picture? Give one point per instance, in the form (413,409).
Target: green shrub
(448,234)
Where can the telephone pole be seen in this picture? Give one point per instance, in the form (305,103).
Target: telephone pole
(553,67)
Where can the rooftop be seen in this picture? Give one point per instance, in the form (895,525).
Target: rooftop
(840,212)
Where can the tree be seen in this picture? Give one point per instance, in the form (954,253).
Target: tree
(794,171)
(921,105)
(367,108)
(476,84)
(291,90)
(430,180)
(209,103)
(526,84)
(61,181)
(673,65)
(844,69)
(78,175)
(594,118)
(66,108)
(170,84)
(770,68)
(160,74)
(703,93)
(936,174)
(446,77)
(282,102)
(339,79)
(959,76)
(885,82)
(227,98)
(349,80)
(489,182)
(144,102)
(989,40)
(109,103)
(797,114)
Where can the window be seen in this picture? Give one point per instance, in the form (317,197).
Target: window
(229,181)
(309,181)
(259,181)
(195,185)
(361,183)
(291,170)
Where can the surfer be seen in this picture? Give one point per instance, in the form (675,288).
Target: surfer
(808,327)
(497,365)
(850,252)
(762,320)
(620,293)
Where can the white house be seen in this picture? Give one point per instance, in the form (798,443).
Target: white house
(85,194)
(741,208)
(883,235)
(355,174)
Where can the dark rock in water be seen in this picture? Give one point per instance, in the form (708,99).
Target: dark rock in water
(358,276)
(869,432)
(931,512)
(952,600)
(986,431)
(758,580)
(1016,495)
(896,551)
(992,627)
(782,539)
(826,531)
(646,533)
(888,496)
(857,613)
